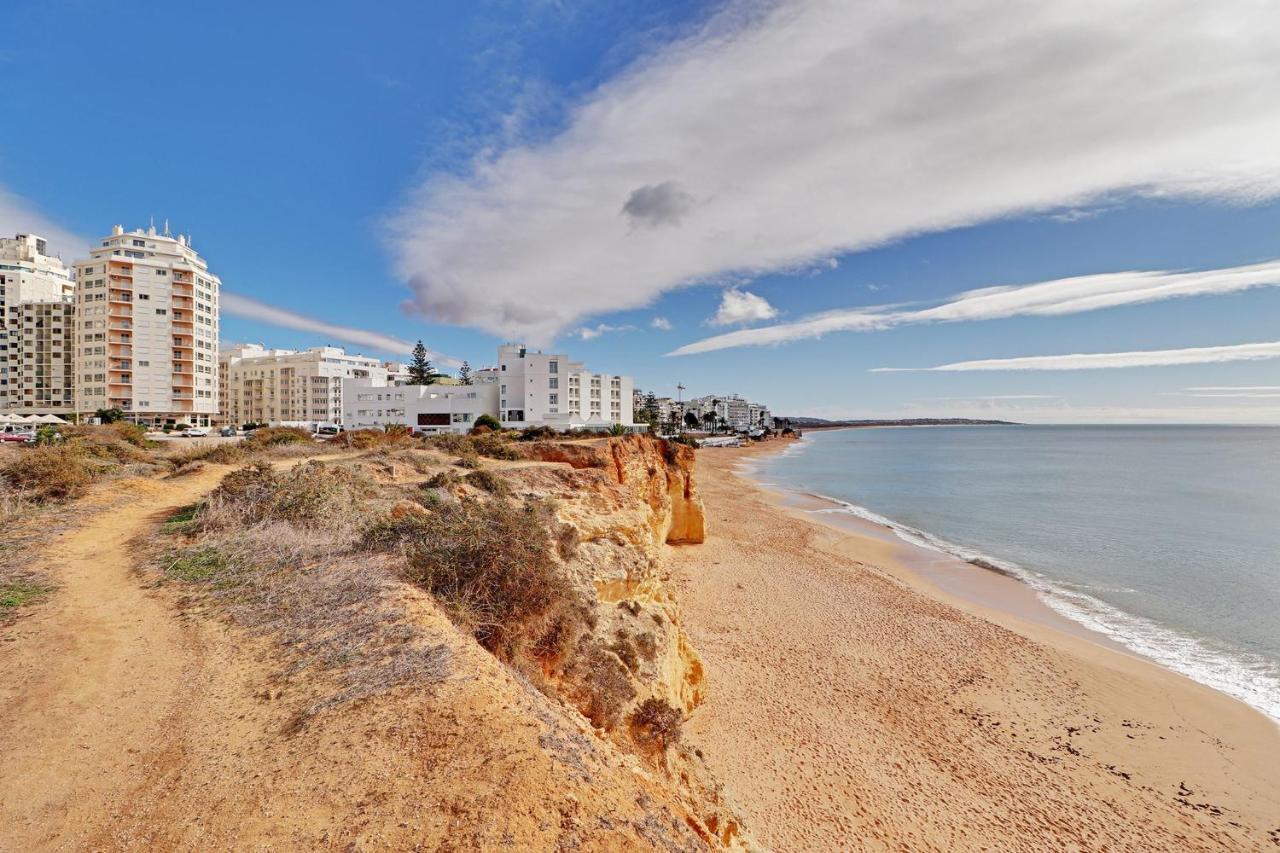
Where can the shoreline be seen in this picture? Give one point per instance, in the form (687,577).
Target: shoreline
(978,585)
(851,695)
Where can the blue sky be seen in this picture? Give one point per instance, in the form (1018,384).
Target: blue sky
(567,172)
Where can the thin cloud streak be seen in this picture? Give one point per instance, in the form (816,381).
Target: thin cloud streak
(1106,360)
(252,309)
(788,134)
(1047,298)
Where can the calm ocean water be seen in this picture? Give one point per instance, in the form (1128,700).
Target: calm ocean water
(1166,539)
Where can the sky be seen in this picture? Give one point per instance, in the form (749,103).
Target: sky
(1061,212)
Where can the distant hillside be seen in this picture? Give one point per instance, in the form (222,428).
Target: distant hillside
(821,422)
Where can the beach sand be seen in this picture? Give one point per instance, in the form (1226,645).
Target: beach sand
(863,697)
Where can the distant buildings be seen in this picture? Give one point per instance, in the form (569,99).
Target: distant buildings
(146,339)
(731,412)
(281,386)
(36,329)
(526,389)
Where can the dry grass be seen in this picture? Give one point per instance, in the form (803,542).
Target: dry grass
(310,495)
(492,566)
(488,481)
(55,472)
(493,445)
(395,435)
(276,436)
(599,684)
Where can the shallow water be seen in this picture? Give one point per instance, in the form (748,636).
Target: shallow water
(1166,539)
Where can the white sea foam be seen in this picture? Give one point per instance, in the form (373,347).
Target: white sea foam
(1247,677)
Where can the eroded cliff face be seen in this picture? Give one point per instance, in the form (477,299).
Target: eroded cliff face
(631,499)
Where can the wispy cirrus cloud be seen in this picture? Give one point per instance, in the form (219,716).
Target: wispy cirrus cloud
(1107,360)
(1234,392)
(1047,298)
(590,333)
(251,309)
(782,134)
(20,216)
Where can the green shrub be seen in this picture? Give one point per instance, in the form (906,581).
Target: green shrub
(488,422)
(197,565)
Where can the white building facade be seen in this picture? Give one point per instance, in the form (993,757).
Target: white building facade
(36,328)
(426,409)
(541,389)
(280,386)
(147,330)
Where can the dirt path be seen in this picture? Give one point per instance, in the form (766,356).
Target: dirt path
(94,683)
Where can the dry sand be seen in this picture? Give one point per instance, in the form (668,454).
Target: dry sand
(854,703)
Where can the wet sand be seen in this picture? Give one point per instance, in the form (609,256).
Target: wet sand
(862,696)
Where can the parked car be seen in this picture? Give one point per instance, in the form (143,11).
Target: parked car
(195,432)
(18,437)
(227,432)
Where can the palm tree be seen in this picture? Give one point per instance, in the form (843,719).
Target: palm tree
(710,420)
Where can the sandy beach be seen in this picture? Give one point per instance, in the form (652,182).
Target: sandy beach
(863,697)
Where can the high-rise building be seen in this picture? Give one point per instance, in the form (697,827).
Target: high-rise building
(281,386)
(36,328)
(147,329)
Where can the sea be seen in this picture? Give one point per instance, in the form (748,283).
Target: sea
(1166,539)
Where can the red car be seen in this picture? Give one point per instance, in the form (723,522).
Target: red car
(18,437)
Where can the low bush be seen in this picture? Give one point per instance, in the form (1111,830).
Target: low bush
(486,422)
(50,472)
(198,565)
(218,454)
(443,480)
(309,495)
(488,481)
(470,461)
(492,567)
(276,436)
(538,433)
(394,435)
(655,724)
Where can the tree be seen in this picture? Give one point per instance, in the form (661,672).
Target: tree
(691,420)
(487,420)
(109,416)
(710,420)
(420,370)
(464,373)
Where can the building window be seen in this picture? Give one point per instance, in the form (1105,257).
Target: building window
(553,367)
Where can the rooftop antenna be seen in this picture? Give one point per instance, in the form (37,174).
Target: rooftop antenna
(166,227)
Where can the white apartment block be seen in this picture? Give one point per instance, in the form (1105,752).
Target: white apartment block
(732,411)
(147,329)
(35,328)
(281,386)
(427,409)
(541,389)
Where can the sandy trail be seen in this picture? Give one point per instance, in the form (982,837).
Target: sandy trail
(96,681)
(849,708)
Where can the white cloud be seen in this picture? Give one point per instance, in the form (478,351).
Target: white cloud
(589,333)
(252,309)
(1046,298)
(1104,360)
(807,129)
(662,324)
(1235,388)
(740,306)
(19,216)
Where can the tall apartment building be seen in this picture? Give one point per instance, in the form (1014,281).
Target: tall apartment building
(281,386)
(537,388)
(36,328)
(147,329)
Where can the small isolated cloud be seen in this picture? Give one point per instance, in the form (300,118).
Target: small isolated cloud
(1043,299)
(589,333)
(662,324)
(657,204)
(1105,360)
(740,306)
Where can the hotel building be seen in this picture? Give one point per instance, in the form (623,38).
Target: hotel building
(147,330)
(36,329)
(428,409)
(540,389)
